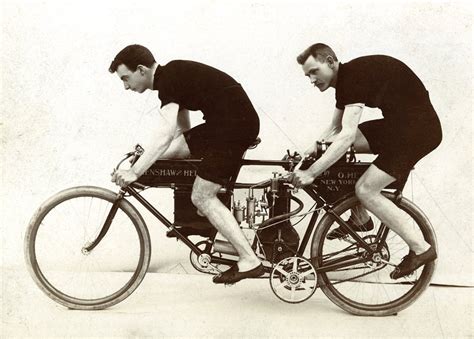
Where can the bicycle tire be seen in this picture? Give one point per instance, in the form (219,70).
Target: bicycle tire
(60,202)
(404,292)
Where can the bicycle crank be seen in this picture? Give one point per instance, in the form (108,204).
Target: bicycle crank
(202,263)
(293,280)
(378,259)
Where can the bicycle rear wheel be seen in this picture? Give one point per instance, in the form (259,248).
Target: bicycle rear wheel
(58,234)
(366,288)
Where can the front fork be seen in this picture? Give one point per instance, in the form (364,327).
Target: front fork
(108,221)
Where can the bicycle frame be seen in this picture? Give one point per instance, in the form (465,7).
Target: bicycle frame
(329,265)
(267,214)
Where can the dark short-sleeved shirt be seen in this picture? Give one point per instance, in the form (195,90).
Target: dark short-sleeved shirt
(192,85)
(383,82)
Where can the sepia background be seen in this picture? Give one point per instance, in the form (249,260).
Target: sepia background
(66,120)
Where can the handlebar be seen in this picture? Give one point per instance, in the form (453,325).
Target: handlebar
(135,154)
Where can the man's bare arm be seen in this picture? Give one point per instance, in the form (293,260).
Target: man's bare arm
(335,127)
(184,122)
(163,135)
(330,132)
(343,140)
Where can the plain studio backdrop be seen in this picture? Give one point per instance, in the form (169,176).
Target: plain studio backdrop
(66,121)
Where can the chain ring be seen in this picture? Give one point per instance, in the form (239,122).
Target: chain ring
(293,280)
(202,263)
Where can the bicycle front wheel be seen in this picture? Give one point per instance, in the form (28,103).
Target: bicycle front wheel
(366,288)
(55,252)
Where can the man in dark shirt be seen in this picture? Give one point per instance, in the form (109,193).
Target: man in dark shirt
(409,130)
(231,126)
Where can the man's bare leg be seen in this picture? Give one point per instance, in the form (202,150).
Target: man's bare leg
(359,214)
(368,190)
(204,197)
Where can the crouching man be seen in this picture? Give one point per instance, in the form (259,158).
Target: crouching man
(231,126)
(409,130)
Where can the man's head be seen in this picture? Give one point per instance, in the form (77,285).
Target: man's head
(135,66)
(320,64)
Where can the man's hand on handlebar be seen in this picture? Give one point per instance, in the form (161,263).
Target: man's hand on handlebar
(123,177)
(301,178)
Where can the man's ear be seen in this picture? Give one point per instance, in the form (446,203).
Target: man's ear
(142,69)
(330,61)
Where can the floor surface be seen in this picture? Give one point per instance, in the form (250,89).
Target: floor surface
(174,304)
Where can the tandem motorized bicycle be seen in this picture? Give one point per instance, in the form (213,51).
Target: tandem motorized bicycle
(89,248)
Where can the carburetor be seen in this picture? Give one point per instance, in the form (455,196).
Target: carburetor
(256,207)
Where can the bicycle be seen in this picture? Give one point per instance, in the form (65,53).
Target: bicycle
(80,270)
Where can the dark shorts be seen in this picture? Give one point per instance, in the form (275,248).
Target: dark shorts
(221,147)
(401,144)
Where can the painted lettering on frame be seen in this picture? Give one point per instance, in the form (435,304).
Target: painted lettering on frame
(170,172)
(338,181)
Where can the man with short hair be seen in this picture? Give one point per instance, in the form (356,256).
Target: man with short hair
(231,126)
(409,130)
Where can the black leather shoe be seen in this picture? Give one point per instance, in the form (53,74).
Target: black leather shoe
(232,275)
(340,232)
(412,262)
